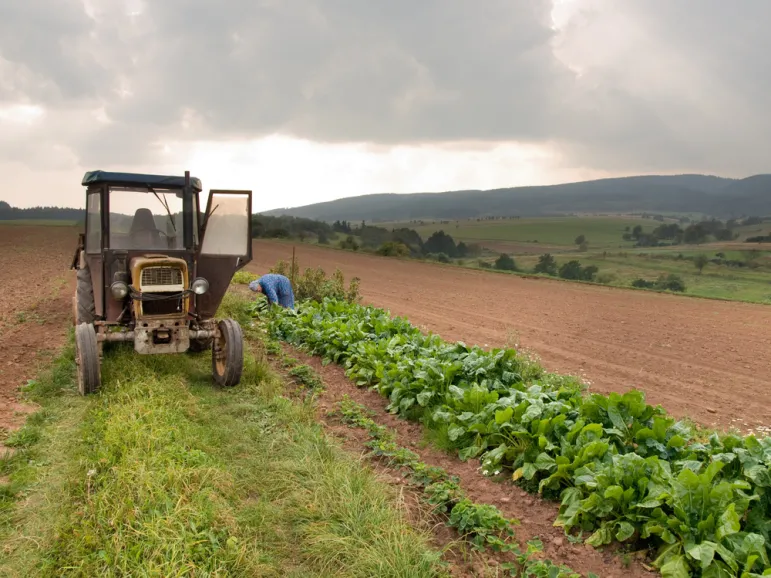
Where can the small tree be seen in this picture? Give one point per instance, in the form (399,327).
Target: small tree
(546,264)
(393,249)
(505,263)
(700,261)
(580,240)
(571,270)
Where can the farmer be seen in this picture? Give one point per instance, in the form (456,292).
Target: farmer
(276,288)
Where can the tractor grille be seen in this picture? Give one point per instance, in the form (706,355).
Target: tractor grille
(162,307)
(156,276)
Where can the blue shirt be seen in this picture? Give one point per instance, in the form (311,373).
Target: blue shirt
(276,288)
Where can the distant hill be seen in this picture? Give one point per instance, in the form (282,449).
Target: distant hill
(717,196)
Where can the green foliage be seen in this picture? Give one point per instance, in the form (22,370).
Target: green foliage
(573,270)
(439,257)
(483,525)
(349,243)
(546,265)
(700,261)
(670,282)
(393,249)
(307,376)
(440,242)
(621,468)
(505,263)
(243,277)
(314,285)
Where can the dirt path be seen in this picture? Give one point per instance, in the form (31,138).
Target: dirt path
(702,359)
(35,310)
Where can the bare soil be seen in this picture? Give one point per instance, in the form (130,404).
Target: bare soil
(36,286)
(698,358)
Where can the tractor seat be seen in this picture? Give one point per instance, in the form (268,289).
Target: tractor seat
(143,232)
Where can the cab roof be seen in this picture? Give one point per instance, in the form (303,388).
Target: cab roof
(133,179)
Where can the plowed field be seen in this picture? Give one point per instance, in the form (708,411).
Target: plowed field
(36,288)
(703,359)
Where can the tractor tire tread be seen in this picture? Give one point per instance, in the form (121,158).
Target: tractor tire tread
(234,360)
(89,372)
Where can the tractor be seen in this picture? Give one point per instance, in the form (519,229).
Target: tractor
(152,269)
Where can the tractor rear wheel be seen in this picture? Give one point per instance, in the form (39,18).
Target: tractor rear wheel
(87,359)
(84,298)
(228,353)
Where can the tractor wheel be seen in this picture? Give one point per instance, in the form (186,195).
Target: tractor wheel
(228,353)
(84,296)
(198,345)
(87,359)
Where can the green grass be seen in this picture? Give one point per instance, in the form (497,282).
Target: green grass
(715,281)
(163,474)
(599,231)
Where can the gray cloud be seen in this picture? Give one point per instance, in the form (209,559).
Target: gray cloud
(664,85)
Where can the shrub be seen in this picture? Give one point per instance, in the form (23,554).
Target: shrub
(313,284)
(393,249)
(546,264)
(349,243)
(588,273)
(440,257)
(643,284)
(243,278)
(570,270)
(606,278)
(505,263)
(670,282)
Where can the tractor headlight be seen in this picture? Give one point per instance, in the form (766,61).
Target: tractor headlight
(199,286)
(119,290)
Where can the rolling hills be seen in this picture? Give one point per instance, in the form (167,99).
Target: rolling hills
(704,194)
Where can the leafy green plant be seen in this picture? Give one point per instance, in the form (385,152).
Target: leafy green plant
(307,376)
(623,470)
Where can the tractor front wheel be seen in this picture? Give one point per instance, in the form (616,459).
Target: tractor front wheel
(87,359)
(228,353)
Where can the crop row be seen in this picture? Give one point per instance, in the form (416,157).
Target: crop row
(622,469)
(481,524)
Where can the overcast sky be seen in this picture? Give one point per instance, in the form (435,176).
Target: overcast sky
(309,100)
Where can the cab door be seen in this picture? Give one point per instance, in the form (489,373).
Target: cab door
(225,245)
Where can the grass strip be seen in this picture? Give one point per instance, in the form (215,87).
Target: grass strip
(483,525)
(163,474)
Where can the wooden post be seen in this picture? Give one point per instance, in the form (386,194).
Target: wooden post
(292,266)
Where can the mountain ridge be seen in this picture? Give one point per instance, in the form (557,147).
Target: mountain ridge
(692,193)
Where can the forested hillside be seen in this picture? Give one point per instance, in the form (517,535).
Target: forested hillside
(707,195)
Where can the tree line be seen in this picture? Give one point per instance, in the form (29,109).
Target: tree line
(693,234)
(9,213)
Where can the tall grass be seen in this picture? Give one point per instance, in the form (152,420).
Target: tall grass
(163,474)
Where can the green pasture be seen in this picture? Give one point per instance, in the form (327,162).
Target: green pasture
(599,231)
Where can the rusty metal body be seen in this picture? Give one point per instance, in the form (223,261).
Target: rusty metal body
(164,308)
